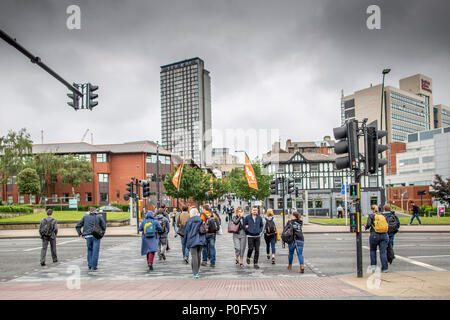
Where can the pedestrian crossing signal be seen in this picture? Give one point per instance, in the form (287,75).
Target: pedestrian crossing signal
(354,190)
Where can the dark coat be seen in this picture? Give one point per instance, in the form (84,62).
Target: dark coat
(149,244)
(253,228)
(87,223)
(191,236)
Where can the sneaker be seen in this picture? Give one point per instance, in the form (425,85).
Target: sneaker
(204,263)
(268,257)
(89,267)
(302,269)
(256,266)
(163,256)
(196,276)
(385,271)
(55,261)
(273,260)
(150,266)
(186,260)
(212,265)
(42,264)
(248,260)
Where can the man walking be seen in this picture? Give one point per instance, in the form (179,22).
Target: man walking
(213,222)
(340,212)
(87,222)
(253,226)
(182,219)
(173,217)
(163,234)
(415,213)
(48,230)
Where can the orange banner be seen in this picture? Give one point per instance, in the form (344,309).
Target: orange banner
(250,174)
(176,180)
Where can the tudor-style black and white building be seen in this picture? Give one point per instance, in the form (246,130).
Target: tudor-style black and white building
(317,173)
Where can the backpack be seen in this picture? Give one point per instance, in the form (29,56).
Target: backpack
(203,228)
(97,231)
(380,224)
(163,224)
(288,233)
(149,229)
(393,225)
(270,227)
(213,223)
(46,228)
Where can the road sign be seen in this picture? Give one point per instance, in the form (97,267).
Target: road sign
(343,187)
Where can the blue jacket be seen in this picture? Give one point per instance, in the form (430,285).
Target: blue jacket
(191,236)
(87,222)
(253,228)
(149,244)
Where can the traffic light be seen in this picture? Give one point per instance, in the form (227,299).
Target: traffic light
(353,222)
(145,189)
(372,148)
(90,99)
(348,143)
(354,191)
(273,187)
(297,192)
(130,193)
(75,99)
(291,186)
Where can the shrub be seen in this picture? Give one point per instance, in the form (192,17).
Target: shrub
(23,209)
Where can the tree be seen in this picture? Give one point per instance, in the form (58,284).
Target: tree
(47,166)
(74,171)
(191,180)
(441,190)
(28,182)
(239,184)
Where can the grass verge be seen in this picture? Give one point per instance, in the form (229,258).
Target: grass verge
(62,216)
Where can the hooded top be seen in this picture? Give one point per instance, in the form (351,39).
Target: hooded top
(149,244)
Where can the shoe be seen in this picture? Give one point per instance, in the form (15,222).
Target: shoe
(268,257)
(204,263)
(385,271)
(248,260)
(150,266)
(168,249)
(176,235)
(196,276)
(42,264)
(241,265)
(273,260)
(212,265)
(186,260)
(55,261)
(289,267)
(89,267)
(302,269)
(255,266)
(163,256)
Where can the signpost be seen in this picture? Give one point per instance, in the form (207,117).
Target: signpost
(73,203)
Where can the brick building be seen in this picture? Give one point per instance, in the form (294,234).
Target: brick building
(113,166)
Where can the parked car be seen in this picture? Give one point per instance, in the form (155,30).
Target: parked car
(109,209)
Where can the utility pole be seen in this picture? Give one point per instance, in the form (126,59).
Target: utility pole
(158,204)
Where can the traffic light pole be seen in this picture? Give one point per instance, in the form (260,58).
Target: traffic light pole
(359,268)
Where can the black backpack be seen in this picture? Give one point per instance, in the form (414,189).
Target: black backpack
(46,228)
(162,222)
(97,231)
(213,223)
(393,225)
(270,227)
(288,233)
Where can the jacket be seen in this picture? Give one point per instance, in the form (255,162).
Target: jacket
(149,244)
(297,226)
(253,228)
(50,219)
(87,222)
(182,219)
(192,237)
(163,220)
(235,219)
(370,222)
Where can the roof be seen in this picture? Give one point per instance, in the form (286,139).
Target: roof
(308,156)
(75,147)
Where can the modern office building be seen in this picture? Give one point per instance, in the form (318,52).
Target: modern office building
(186,110)
(406,110)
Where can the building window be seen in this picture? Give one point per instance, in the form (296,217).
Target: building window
(373,182)
(314,183)
(10,200)
(102,157)
(66,197)
(337,182)
(32,198)
(54,198)
(21,199)
(297,167)
(102,177)
(88,197)
(427,159)
(103,197)
(314,167)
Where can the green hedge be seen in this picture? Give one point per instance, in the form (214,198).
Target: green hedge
(24,209)
(124,207)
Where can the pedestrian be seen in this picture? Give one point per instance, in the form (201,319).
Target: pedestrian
(340,212)
(163,234)
(254,227)
(166,215)
(415,213)
(182,219)
(270,234)
(239,238)
(150,239)
(48,229)
(193,240)
(230,213)
(393,223)
(298,241)
(173,218)
(213,222)
(88,222)
(378,226)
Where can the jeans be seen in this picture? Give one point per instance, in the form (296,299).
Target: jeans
(253,243)
(380,240)
(93,248)
(270,242)
(184,250)
(299,244)
(162,246)
(391,238)
(210,244)
(175,229)
(415,216)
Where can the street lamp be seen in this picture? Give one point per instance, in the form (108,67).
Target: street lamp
(383,194)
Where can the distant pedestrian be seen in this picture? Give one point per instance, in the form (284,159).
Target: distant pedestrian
(48,229)
(415,213)
(230,213)
(340,212)
(254,227)
(240,237)
(173,218)
(378,226)
(213,222)
(194,240)
(166,215)
(298,241)
(182,219)
(163,234)
(150,228)
(270,234)
(88,222)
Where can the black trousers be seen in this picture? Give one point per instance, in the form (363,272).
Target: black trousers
(45,242)
(253,243)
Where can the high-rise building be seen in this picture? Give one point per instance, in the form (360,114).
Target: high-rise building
(186,110)
(406,110)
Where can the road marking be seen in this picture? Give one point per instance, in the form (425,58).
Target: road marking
(418,263)
(58,244)
(439,256)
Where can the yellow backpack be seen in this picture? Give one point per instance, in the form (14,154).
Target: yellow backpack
(380,223)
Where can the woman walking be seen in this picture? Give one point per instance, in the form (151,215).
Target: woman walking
(150,237)
(239,238)
(298,242)
(270,234)
(194,240)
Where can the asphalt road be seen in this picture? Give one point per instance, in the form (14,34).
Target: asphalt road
(326,255)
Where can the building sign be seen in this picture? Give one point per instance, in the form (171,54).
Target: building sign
(73,204)
(426,85)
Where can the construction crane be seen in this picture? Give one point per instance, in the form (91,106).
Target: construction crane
(84,135)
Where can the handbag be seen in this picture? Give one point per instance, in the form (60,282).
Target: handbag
(233,227)
(278,235)
(97,231)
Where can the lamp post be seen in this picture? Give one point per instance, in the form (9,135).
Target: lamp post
(158,203)
(383,193)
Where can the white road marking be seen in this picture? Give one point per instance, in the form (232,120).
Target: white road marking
(58,244)
(418,263)
(438,256)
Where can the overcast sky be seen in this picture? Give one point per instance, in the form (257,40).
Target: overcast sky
(274,65)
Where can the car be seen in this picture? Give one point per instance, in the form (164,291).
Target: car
(109,209)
